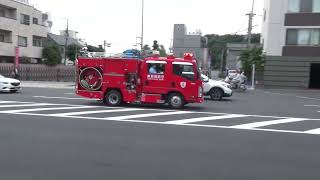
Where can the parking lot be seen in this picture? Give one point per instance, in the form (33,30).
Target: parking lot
(50,133)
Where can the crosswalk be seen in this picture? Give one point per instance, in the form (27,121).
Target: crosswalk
(166,117)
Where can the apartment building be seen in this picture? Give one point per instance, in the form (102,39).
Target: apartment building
(190,42)
(22,27)
(291,41)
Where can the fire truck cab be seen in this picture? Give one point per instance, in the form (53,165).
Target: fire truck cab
(154,80)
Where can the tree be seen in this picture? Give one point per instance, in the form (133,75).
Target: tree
(155,45)
(250,57)
(73,50)
(146,47)
(52,55)
(162,50)
(217,45)
(95,49)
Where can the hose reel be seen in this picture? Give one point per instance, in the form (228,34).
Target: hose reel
(90,79)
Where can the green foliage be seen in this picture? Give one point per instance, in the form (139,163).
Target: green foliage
(217,45)
(95,49)
(52,55)
(146,47)
(155,45)
(250,57)
(73,50)
(163,52)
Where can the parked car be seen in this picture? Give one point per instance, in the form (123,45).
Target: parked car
(216,89)
(9,84)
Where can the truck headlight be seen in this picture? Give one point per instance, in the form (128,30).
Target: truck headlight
(200,91)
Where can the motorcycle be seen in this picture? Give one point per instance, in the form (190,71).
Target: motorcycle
(237,84)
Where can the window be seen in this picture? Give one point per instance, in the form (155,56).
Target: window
(25,19)
(2,12)
(35,21)
(157,67)
(304,37)
(184,70)
(303,6)
(316,6)
(294,6)
(306,6)
(292,37)
(38,41)
(22,41)
(5,36)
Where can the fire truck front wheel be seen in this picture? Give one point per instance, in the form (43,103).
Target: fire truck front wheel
(113,98)
(176,101)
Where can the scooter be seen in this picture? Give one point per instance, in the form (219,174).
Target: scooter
(236,84)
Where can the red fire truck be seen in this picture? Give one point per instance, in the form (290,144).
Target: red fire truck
(154,80)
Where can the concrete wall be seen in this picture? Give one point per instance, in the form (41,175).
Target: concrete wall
(288,72)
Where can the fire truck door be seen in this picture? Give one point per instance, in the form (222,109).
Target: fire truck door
(155,77)
(184,76)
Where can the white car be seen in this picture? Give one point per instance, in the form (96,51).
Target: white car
(9,84)
(216,89)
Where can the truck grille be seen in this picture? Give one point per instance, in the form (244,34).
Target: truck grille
(15,84)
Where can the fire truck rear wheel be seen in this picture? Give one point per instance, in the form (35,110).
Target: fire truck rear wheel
(176,101)
(113,98)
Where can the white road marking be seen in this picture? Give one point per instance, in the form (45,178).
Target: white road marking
(267,123)
(164,123)
(194,120)
(311,105)
(95,112)
(12,102)
(149,115)
(47,97)
(313,131)
(69,93)
(46,109)
(26,105)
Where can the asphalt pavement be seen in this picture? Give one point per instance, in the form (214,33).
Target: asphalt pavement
(50,133)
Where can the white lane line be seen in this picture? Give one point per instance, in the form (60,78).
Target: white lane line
(148,115)
(47,97)
(46,109)
(95,112)
(164,123)
(12,102)
(313,131)
(211,118)
(267,123)
(26,105)
(311,105)
(69,93)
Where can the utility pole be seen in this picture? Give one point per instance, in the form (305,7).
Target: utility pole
(142,25)
(66,43)
(251,15)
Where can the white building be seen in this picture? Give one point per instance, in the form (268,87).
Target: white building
(23,26)
(291,41)
(291,28)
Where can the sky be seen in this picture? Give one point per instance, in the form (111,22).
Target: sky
(119,21)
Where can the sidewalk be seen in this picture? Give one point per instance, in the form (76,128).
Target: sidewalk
(47,84)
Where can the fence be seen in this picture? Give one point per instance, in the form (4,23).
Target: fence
(39,72)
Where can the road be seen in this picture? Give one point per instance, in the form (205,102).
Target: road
(52,134)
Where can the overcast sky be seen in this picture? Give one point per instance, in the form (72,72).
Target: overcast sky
(119,21)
